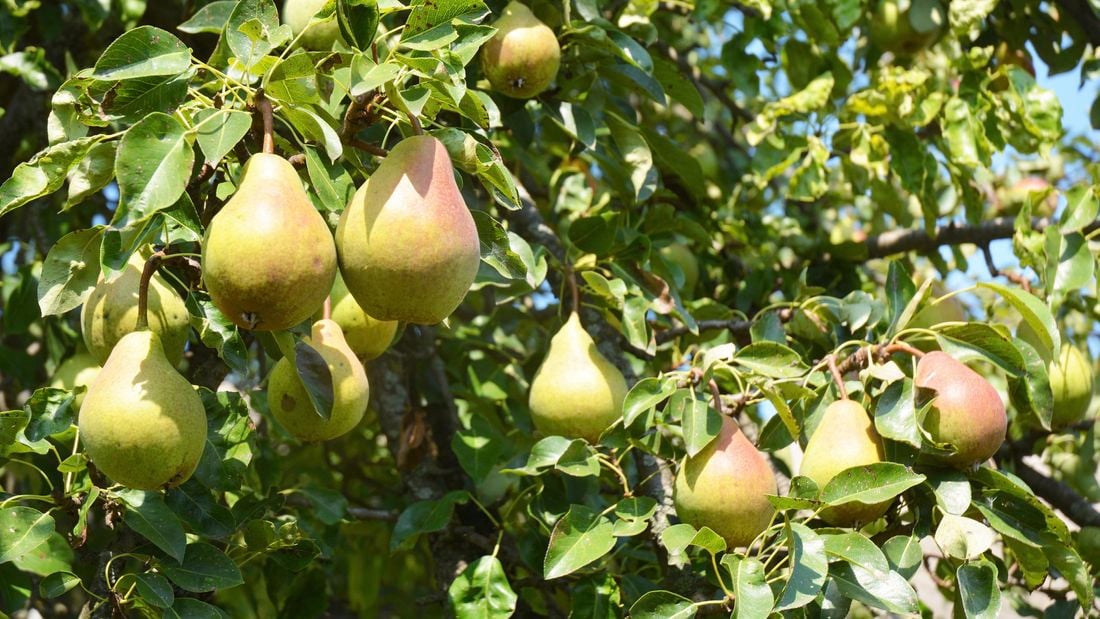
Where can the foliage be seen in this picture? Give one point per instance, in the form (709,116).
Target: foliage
(817,179)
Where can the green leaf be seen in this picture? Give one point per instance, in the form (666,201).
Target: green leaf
(645,395)
(142,52)
(92,173)
(149,517)
(210,18)
(975,339)
(316,377)
(963,538)
(856,549)
(1082,206)
(979,591)
(771,359)
(896,415)
(58,584)
(424,517)
(809,567)
(218,131)
(69,272)
(427,14)
(153,166)
(572,456)
(662,605)
(701,422)
(579,538)
(1069,257)
(23,530)
(678,537)
(482,591)
(496,248)
(154,589)
(44,173)
(204,568)
(253,30)
(904,554)
(678,87)
(1032,310)
(51,410)
(753,595)
(190,608)
(636,155)
(870,484)
(952,490)
(329,506)
(197,508)
(330,181)
(885,590)
(358,20)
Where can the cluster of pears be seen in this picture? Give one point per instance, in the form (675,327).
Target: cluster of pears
(141,422)
(523,57)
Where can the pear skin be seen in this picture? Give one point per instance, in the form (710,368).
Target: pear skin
(966,411)
(523,57)
(367,337)
(576,392)
(78,370)
(142,424)
(111,312)
(289,402)
(320,37)
(268,258)
(1071,382)
(725,487)
(845,438)
(408,246)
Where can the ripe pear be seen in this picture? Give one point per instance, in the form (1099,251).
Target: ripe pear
(290,403)
(725,487)
(408,245)
(576,392)
(967,412)
(78,370)
(268,259)
(522,58)
(297,13)
(368,338)
(905,27)
(111,312)
(141,422)
(681,256)
(845,438)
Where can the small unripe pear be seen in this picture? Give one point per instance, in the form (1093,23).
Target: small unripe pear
(367,337)
(966,411)
(1071,382)
(408,245)
(268,259)
(576,392)
(111,312)
(289,401)
(142,424)
(681,256)
(78,370)
(725,487)
(845,438)
(522,58)
(297,13)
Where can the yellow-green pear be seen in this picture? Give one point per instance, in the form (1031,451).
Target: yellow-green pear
(522,58)
(290,403)
(576,392)
(297,13)
(1071,382)
(682,257)
(268,258)
(967,412)
(111,312)
(78,370)
(141,422)
(407,244)
(368,338)
(725,487)
(844,438)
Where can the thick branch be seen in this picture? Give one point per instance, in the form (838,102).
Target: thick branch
(1058,494)
(903,241)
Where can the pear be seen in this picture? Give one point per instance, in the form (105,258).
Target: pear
(845,438)
(268,259)
(78,370)
(407,244)
(1072,384)
(576,392)
(141,422)
(290,403)
(725,487)
(297,13)
(111,312)
(368,338)
(682,257)
(522,58)
(967,412)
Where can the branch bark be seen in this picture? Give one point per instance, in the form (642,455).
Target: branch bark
(920,241)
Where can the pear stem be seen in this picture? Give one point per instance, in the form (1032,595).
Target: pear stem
(890,349)
(415,122)
(837,377)
(326,309)
(716,395)
(268,116)
(143,288)
(574,290)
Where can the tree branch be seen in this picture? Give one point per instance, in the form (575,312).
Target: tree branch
(1059,495)
(918,240)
